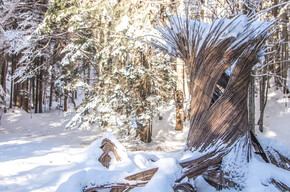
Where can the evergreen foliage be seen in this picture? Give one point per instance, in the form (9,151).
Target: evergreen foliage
(129,78)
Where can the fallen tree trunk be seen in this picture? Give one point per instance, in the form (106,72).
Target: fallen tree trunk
(116,187)
(141,179)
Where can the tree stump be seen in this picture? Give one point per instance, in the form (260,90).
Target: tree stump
(107,147)
(218,128)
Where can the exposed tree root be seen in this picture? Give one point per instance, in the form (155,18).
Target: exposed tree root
(198,166)
(142,176)
(184,187)
(280,185)
(209,166)
(141,179)
(277,158)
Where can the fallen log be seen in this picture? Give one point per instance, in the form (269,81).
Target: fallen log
(116,187)
(184,187)
(141,179)
(142,176)
(208,166)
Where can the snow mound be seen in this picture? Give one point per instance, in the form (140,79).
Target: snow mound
(162,181)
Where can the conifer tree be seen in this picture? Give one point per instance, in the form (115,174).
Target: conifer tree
(129,79)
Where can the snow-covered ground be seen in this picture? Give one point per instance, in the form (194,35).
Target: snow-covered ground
(38,154)
(277,117)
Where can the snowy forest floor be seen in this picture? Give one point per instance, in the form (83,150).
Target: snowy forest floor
(38,154)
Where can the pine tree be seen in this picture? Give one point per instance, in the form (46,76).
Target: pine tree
(21,45)
(129,78)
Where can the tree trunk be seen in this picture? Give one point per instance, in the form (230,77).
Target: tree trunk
(262,99)
(251,103)
(65,100)
(222,126)
(89,73)
(37,91)
(179,95)
(144,131)
(276,59)
(32,84)
(285,50)
(25,96)
(225,120)
(13,68)
(222,119)
(226,116)
(51,91)
(40,86)
(44,90)
(31,95)
(4,68)
(17,96)
(73,99)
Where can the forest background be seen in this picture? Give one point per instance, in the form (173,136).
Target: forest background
(80,57)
